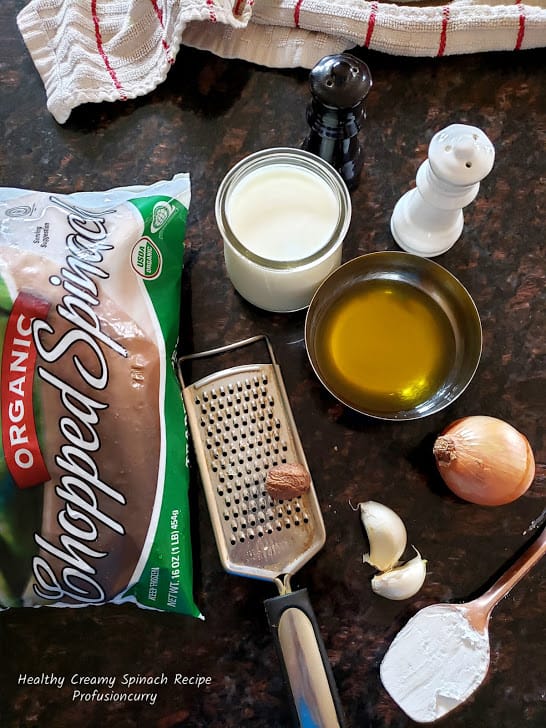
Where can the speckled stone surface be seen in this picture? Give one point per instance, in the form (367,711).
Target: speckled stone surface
(206,116)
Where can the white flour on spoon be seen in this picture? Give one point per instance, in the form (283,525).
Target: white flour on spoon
(435,662)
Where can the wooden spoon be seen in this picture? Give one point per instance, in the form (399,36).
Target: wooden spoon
(442,654)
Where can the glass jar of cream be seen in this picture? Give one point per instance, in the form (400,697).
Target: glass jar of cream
(283,214)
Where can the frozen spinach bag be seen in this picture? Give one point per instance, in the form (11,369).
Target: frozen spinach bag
(93,471)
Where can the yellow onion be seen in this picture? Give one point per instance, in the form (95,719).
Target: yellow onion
(484,460)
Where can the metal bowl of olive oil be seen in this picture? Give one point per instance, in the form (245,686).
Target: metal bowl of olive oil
(393,336)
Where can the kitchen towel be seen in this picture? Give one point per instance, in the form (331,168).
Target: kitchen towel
(106,50)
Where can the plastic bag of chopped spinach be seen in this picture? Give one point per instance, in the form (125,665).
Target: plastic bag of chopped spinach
(93,467)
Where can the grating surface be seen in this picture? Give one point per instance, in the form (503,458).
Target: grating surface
(241,427)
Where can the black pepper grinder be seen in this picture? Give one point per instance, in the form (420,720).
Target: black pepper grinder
(339,84)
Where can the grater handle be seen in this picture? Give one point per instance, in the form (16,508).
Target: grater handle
(223,350)
(306,668)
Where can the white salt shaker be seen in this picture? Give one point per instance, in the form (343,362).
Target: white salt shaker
(428,219)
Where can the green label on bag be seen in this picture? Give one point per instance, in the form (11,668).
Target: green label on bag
(166,579)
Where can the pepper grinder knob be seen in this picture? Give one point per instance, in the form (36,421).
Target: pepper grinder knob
(339,84)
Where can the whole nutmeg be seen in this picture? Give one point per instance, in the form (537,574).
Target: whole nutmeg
(287,481)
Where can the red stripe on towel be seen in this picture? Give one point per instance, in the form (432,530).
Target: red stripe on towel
(237,10)
(167,49)
(443,33)
(521,27)
(158,12)
(297,13)
(212,14)
(371,24)
(102,52)
(166,46)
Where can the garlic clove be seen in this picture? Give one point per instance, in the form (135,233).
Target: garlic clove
(403,581)
(386,534)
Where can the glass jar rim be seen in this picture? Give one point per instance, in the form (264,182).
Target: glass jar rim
(284,156)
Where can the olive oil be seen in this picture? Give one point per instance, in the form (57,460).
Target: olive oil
(386,346)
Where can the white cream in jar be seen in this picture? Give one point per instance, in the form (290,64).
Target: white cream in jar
(283,214)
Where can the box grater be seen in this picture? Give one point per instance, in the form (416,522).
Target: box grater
(241,425)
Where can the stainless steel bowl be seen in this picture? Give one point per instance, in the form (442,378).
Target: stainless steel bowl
(438,289)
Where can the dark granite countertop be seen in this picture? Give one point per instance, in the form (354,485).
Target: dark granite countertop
(207,115)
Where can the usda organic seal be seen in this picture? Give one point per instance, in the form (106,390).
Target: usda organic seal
(146,258)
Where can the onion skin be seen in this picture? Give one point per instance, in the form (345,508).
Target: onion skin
(484,460)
